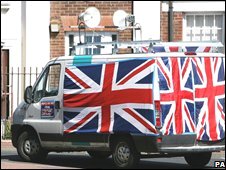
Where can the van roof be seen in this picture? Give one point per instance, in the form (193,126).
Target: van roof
(147,46)
(148,49)
(115,57)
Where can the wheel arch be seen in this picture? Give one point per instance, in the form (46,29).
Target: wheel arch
(124,151)
(23,128)
(114,137)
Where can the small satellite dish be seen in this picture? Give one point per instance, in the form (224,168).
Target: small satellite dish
(91,17)
(122,19)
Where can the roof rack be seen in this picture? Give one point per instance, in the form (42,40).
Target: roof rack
(150,46)
(115,45)
(198,43)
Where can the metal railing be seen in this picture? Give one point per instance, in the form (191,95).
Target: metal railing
(11,80)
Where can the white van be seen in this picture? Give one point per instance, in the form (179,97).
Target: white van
(169,102)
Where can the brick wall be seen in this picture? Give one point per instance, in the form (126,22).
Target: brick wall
(74,8)
(177,26)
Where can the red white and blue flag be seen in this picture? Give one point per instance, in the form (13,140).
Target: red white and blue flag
(209,80)
(176,95)
(206,81)
(179,48)
(111,97)
(119,96)
(192,96)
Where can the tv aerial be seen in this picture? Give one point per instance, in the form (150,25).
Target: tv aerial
(91,17)
(123,20)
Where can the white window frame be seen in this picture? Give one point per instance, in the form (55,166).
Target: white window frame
(204,14)
(105,37)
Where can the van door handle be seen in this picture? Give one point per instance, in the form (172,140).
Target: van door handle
(57,105)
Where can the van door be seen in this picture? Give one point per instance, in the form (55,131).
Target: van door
(176,95)
(44,113)
(209,82)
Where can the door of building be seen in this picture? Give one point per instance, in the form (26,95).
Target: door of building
(4,83)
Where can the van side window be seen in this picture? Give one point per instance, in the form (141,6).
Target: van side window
(48,85)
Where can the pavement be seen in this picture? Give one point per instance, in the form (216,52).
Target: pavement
(16,163)
(8,164)
(6,144)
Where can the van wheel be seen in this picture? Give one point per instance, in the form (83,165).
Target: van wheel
(29,149)
(125,154)
(198,159)
(99,154)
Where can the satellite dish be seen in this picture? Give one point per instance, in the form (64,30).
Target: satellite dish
(122,19)
(91,17)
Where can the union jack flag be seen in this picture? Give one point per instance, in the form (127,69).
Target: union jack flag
(209,80)
(200,49)
(167,49)
(197,49)
(176,95)
(110,97)
(163,49)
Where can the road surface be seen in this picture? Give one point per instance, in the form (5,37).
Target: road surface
(81,160)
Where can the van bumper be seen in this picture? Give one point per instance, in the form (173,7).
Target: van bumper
(188,143)
(174,144)
(189,149)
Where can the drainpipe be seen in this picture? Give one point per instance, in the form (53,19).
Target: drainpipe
(170,21)
(23,46)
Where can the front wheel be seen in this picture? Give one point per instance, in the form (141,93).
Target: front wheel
(198,159)
(124,154)
(29,148)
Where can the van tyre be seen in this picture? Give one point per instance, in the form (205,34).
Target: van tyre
(198,159)
(99,154)
(125,154)
(29,148)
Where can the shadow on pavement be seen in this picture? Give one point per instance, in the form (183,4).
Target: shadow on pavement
(78,161)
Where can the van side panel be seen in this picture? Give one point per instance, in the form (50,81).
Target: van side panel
(109,98)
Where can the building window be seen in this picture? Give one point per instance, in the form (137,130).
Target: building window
(204,27)
(72,39)
(90,39)
(71,44)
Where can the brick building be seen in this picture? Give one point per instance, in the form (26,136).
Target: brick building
(66,14)
(177,23)
(192,21)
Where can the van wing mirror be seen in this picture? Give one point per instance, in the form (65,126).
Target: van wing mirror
(28,95)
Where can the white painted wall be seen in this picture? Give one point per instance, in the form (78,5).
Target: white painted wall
(38,42)
(11,32)
(37,38)
(147,14)
(195,6)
